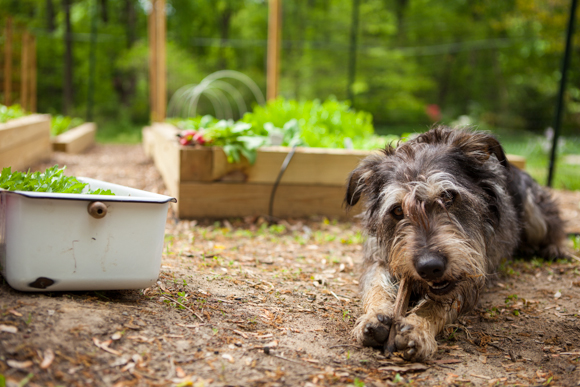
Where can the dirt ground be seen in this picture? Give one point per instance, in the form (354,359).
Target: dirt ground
(242,303)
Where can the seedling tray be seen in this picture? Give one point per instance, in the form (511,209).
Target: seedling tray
(54,242)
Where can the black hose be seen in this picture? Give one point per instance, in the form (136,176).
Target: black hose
(277,182)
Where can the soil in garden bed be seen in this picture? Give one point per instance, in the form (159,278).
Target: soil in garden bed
(243,303)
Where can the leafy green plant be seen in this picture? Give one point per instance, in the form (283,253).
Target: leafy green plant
(328,124)
(60,124)
(10,112)
(237,138)
(52,180)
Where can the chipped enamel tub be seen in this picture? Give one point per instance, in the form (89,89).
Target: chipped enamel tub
(53,242)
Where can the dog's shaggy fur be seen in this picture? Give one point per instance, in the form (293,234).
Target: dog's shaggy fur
(443,210)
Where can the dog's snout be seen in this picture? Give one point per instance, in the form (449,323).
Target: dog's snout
(430,266)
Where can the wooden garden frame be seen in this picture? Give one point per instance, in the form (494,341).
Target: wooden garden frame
(207,186)
(25,141)
(75,140)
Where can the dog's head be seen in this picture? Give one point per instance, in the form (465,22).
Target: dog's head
(432,203)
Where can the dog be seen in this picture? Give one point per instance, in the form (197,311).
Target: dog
(442,210)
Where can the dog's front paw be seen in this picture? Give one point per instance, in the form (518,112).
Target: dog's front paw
(372,329)
(414,339)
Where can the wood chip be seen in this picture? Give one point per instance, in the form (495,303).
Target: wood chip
(117,335)
(19,364)
(412,367)
(141,339)
(446,361)
(47,359)
(241,334)
(104,345)
(8,328)
(481,376)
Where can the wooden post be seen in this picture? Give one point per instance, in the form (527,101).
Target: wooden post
(24,70)
(152,56)
(161,61)
(274,37)
(8,62)
(157,64)
(32,74)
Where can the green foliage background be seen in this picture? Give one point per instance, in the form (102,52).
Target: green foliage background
(496,61)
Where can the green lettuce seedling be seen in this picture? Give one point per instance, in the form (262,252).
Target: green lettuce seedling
(52,180)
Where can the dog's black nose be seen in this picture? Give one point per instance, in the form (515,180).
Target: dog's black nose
(430,266)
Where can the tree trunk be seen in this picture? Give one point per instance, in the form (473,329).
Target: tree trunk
(400,12)
(125,83)
(104,11)
(130,22)
(50,16)
(68,60)
(224,25)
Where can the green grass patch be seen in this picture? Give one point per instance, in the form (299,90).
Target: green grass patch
(119,132)
(536,149)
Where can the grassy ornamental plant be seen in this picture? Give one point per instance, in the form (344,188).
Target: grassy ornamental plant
(52,180)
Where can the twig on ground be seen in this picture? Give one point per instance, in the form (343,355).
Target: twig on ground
(186,307)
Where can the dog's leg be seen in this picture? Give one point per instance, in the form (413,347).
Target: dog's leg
(378,293)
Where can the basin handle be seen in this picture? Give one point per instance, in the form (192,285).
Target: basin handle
(97,210)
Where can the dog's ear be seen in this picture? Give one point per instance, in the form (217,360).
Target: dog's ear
(480,146)
(359,179)
(354,187)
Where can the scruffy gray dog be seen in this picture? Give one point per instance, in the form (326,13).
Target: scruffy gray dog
(442,210)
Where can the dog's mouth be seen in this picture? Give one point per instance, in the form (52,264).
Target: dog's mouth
(441,288)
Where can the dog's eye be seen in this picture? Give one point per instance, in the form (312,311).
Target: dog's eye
(398,213)
(447,198)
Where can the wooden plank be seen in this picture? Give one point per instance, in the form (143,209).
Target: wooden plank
(156,24)
(166,156)
(152,62)
(222,200)
(24,73)
(518,161)
(32,75)
(308,165)
(161,60)
(23,129)
(197,165)
(147,139)
(273,55)
(75,140)
(8,62)
(25,154)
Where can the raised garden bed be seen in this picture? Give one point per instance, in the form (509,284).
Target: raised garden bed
(25,141)
(207,186)
(75,140)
